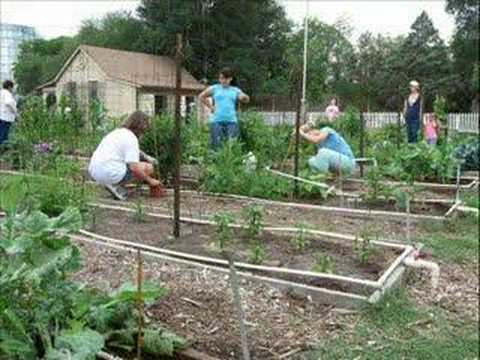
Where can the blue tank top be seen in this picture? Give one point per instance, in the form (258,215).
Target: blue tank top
(413,111)
(336,142)
(225,99)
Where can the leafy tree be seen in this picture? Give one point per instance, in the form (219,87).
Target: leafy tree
(249,36)
(426,59)
(329,55)
(465,48)
(117,30)
(39,61)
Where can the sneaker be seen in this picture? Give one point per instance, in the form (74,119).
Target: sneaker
(118,192)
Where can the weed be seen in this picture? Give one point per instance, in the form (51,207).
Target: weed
(224,232)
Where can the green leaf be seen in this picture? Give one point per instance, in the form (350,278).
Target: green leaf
(82,344)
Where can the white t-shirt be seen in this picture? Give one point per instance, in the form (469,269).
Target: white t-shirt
(108,165)
(6,98)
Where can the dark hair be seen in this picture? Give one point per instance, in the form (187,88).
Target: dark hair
(228,73)
(138,122)
(8,84)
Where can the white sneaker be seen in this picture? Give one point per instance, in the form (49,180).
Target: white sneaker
(118,192)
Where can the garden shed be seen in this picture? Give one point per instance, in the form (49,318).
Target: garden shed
(123,81)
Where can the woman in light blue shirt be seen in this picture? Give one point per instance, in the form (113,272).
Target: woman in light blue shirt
(334,154)
(224,120)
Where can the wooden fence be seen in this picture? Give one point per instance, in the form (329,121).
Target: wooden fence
(459,122)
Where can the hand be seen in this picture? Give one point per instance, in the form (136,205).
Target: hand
(212,108)
(154,182)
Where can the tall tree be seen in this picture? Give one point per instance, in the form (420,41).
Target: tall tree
(39,61)
(329,55)
(249,36)
(426,59)
(465,47)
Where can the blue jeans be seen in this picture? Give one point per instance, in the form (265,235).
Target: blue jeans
(220,132)
(4,130)
(412,131)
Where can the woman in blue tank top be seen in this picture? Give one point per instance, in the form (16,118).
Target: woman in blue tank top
(224,120)
(413,111)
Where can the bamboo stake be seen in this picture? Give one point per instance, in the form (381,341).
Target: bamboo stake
(140,305)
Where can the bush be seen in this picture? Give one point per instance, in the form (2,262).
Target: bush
(158,142)
(225,172)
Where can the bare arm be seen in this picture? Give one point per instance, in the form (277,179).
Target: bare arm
(204,95)
(314,136)
(243,98)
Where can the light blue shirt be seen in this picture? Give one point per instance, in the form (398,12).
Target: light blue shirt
(225,99)
(335,142)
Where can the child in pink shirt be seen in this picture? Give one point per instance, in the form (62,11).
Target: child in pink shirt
(431,129)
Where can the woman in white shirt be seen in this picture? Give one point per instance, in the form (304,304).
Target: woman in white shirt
(117,160)
(332,111)
(8,110)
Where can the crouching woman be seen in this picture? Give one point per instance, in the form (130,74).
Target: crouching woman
(334,154)
(118,160)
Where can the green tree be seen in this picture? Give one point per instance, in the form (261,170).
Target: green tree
(116,30)
(39,61)
(249,36)
(465,48)
(329,55)
(425,57)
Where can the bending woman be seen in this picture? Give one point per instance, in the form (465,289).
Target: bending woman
(224,120)
(334,154)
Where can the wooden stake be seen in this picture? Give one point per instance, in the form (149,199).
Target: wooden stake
(177,134)
(238,305)
(140,305)
(297,149)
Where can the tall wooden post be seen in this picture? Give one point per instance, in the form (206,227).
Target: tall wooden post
(362,141)
(297,145)
(176,142)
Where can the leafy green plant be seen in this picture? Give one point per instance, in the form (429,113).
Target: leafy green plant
(376,187)
(46,315)
(140,214)
(324,264)
(253,216)
(300,240)
(364,248)
(258,253)
(224,232)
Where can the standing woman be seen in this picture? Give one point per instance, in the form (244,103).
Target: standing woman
(413,112)
(8,110)
(226,96)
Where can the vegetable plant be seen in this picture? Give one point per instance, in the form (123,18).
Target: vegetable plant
(224,232)
(301,242)
(324,264)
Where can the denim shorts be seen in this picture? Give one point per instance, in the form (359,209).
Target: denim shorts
(127,177)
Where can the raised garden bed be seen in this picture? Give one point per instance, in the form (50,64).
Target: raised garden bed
(352,282)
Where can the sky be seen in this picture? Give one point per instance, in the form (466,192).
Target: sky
(55,18)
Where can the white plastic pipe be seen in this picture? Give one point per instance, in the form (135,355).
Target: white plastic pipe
(429,265)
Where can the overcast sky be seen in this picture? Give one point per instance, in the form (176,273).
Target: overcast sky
(56,18)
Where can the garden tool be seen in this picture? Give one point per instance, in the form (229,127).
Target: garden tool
(157,191)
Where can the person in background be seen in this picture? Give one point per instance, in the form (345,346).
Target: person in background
(412,112)
(226,96)
(431,126)
(332,111)
(334,154)
(8,110)
(118,160)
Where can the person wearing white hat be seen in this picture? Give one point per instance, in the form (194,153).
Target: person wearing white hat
(412,112)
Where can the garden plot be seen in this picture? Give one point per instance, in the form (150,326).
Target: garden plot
(329,267)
